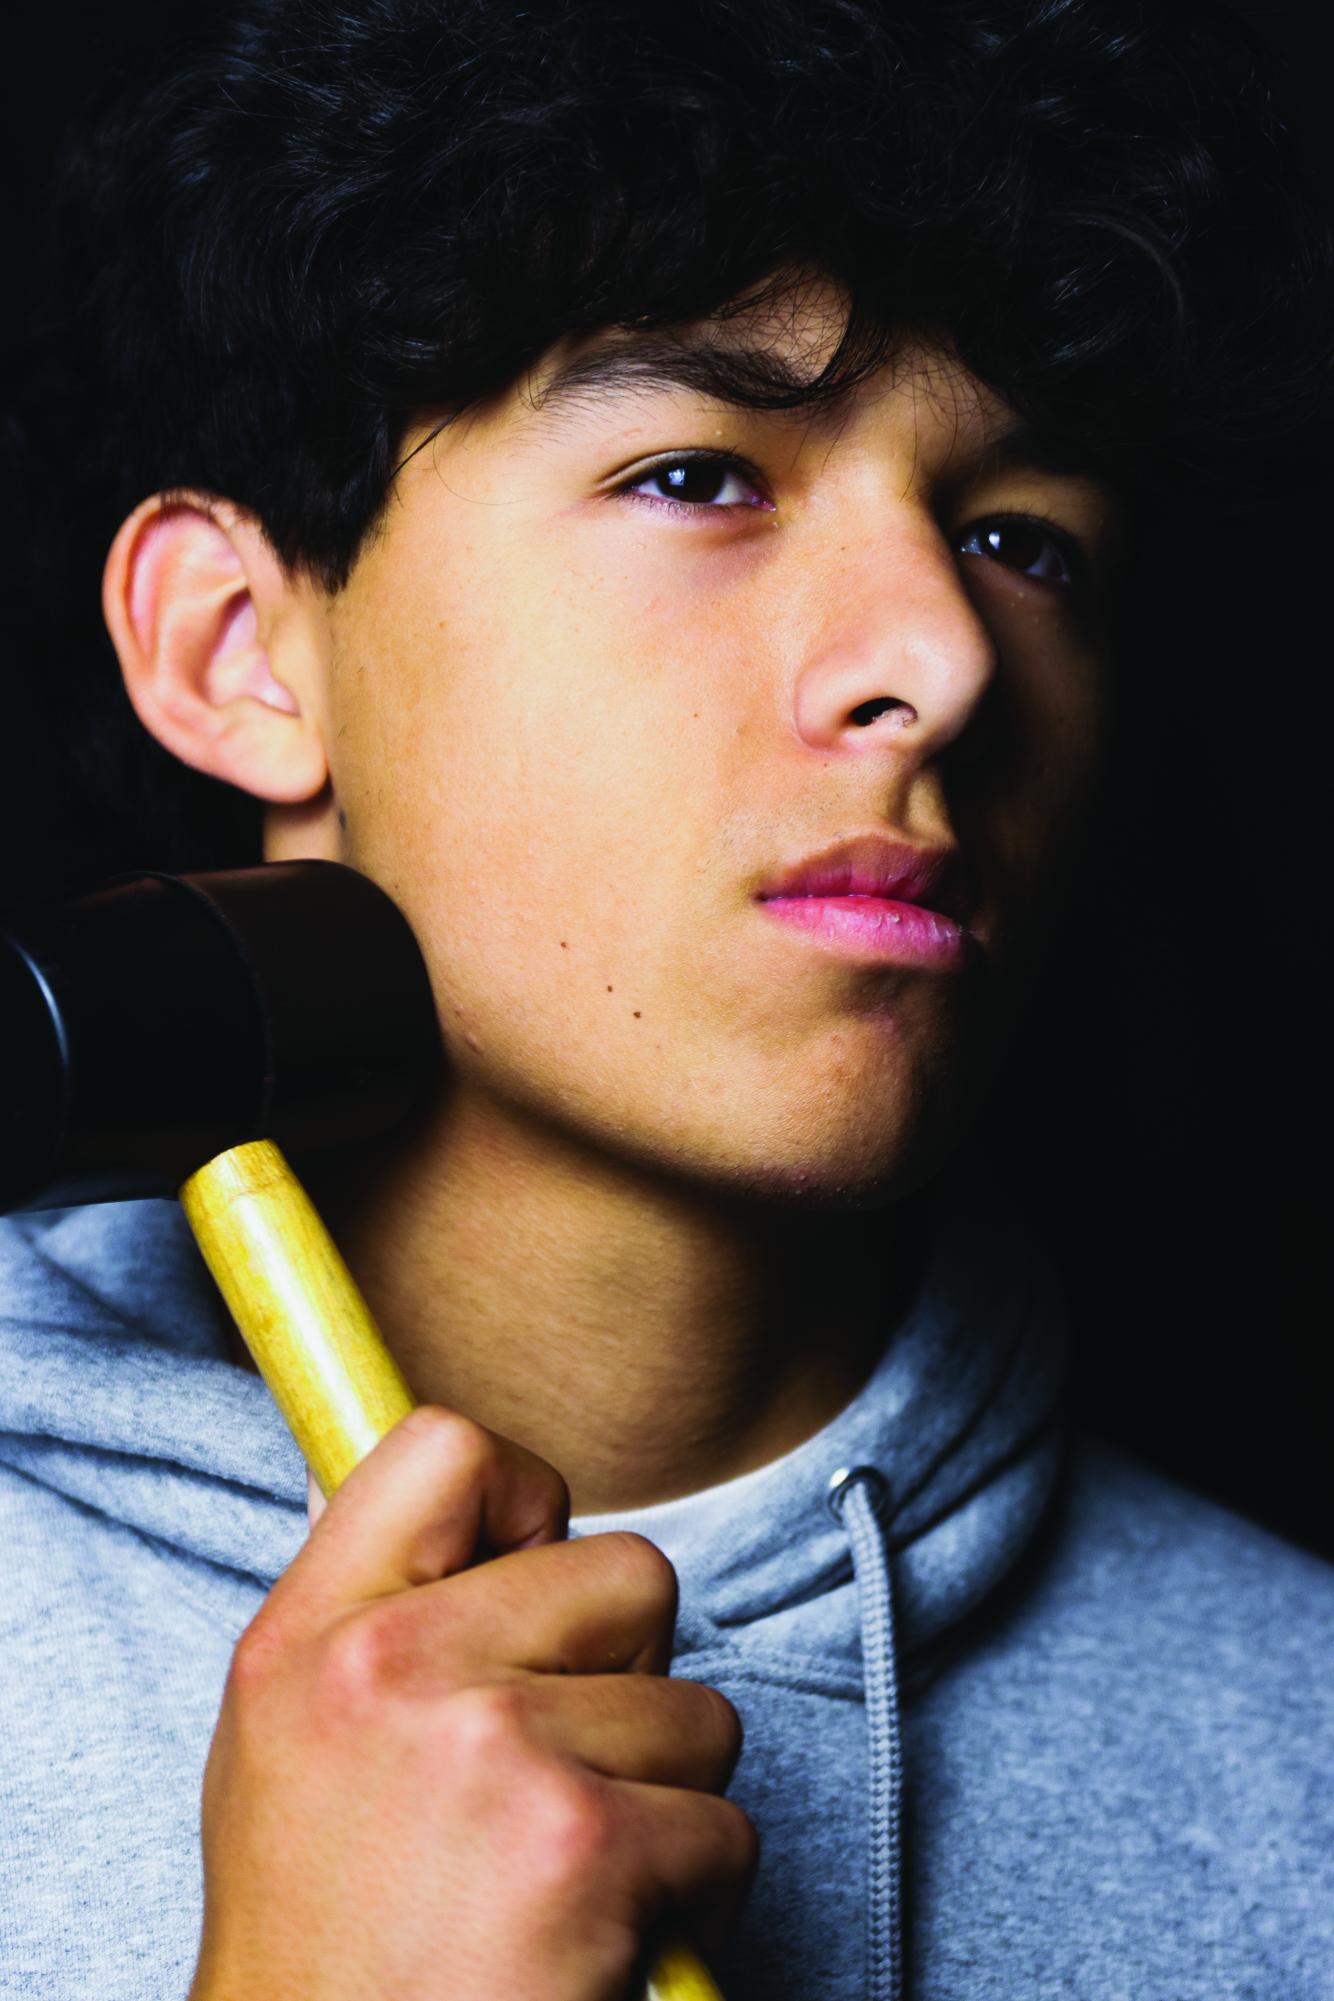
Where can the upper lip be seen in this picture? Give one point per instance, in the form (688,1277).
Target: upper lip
(873,865)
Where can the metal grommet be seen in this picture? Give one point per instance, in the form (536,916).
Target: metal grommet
(849,1476)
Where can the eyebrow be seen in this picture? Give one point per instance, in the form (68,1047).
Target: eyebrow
(649,361)
(738,375)
(1027,447)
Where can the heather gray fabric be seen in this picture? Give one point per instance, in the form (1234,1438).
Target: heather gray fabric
(1114,1701)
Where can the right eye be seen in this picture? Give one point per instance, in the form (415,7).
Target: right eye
(696,481)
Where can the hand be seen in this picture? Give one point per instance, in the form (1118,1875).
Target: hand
(449,1763)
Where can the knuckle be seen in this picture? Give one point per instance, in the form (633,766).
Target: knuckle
(741,1839)
(571,1826)
(358,1666)
(721,1722)
(482,1726)
(468,1448)
(558,1491)
(258,1656)
(650,1574)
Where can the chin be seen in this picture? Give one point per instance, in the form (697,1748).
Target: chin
(851,1173)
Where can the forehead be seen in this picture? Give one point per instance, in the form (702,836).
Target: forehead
(768,353)
(762,356)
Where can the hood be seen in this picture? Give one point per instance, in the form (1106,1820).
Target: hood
(116,1389)
(859,1552)
(961,1421)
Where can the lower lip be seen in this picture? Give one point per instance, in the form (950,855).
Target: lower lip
(875,927)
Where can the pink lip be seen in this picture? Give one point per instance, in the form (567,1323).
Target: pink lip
(870,864)
(875,927)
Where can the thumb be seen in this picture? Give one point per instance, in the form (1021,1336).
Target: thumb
(436,1493)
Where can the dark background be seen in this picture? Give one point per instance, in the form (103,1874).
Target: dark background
(1167,1109)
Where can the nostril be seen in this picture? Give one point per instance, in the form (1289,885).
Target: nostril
(866,712)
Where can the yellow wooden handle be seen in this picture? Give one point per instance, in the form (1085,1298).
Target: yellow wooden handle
(319,1350)
(677,1975)
(297,1306)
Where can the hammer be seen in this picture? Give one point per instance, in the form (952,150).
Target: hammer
(304,986)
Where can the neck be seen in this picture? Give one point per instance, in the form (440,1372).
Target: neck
(646,1335)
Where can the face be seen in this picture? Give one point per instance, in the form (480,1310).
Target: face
(621,655)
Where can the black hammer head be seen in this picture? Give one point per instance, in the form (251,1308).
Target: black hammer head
(161,1019)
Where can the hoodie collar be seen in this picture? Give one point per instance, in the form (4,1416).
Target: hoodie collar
(961,1419)
(116,1389)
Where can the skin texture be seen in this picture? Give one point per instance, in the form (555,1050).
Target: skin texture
(437,1778)
(659,1222)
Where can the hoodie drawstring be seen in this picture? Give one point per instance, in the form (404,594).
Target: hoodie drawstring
(853,1497)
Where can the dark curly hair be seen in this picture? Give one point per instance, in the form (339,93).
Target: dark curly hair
(325,217)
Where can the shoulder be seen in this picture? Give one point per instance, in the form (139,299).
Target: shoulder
(1146,1714)
(1191,1634)
(106,1269)
(1155,1556)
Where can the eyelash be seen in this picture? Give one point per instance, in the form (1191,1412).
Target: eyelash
(727,462)
(1064,544)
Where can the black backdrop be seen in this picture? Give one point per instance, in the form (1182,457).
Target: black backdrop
(1167,1108)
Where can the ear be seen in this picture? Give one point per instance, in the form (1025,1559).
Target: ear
(220,647)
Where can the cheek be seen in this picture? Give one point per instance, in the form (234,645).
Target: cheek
(1060,723)
(1027,779)
(525,777)
(1069,729)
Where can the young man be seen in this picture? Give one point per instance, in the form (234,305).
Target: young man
(648,486)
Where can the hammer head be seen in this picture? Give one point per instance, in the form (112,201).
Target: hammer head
(161,1019)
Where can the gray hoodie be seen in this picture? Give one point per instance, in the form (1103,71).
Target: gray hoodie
(1022,1719)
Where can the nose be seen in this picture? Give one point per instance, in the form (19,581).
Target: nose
(896,653)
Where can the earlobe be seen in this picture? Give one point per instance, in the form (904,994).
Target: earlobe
(217,646)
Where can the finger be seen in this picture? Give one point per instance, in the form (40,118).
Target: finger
(699,1856)
(601,1604)
(644,1728)
(433,1493)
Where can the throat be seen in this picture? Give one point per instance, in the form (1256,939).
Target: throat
(644,1340)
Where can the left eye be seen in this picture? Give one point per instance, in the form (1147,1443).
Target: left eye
(1021,544)
(697,482)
